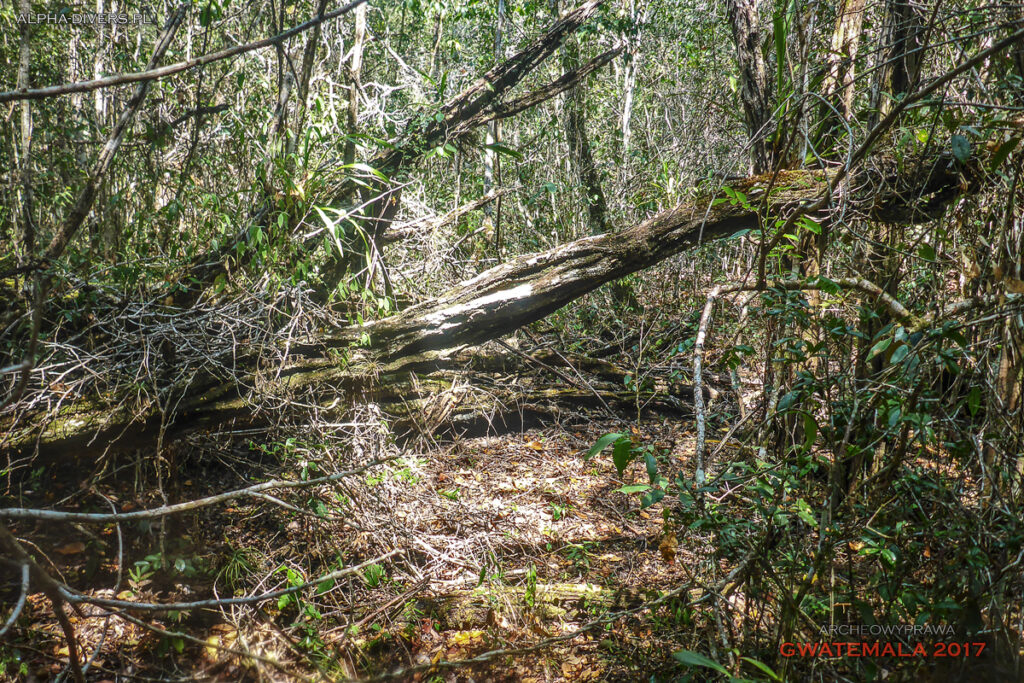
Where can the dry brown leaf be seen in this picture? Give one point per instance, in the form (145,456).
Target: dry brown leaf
(72,548)
(668,546)
(535,445)
(1014,286)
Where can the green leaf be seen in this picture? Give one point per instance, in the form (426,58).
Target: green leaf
(810,431)
(649,499)
(974,400)
(999,156)
(621,455)
(602,443)
(652,467)
(367,169)
(810,224)
(691,659)
(927,252)
(787,401)
(634,488)
(961,148)
(763,667)
(879,347)
(828,286)
(899,354)
(804,512)
(502,149)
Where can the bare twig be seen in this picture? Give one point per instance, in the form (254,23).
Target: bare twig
(152,73)
(165,510)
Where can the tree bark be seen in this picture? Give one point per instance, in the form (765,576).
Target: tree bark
(755,87)
(580,154)
(900,64)
(28,228)
(355,84)
(485,307)
(837,109)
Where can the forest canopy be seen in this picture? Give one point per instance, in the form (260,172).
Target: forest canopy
(511,340)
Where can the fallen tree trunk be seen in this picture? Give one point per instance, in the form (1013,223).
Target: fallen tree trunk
(381,354)
(462,392)
(528,288)
(479,104)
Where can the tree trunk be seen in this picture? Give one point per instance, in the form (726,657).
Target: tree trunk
(755,87)
(580,154)
(355,70)
(836,109)
(478,105)
(27,236)
(492,168)
(483,308)
(900,65)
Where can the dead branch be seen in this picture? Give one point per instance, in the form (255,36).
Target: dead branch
(152,73)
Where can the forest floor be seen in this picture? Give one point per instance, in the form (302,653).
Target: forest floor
(503,543)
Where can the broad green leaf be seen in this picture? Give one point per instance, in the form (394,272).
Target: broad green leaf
(690,658)
(810,431)
(974,400)
(999,156)
(828,286)
(763,667)
(927,252)
(961,148)
(502,149)
(804,512)
(787,401)
(879,347)
(899,354)
(621,455)
(603,443)
(634,488)
(649,499)
(652,467)
(810,224)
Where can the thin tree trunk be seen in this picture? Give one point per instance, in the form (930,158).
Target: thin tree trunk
(28,228)
(435,47)
(841,60)
(355,68)
(755,86)
(580,154)
(899,64)
(306,73)
(876,259)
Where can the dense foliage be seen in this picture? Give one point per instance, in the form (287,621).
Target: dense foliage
(848,443)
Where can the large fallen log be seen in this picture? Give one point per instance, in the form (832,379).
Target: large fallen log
(365,363)
(528,288)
